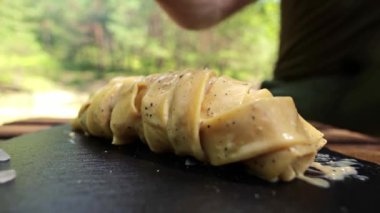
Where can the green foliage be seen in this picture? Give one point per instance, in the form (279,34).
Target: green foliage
(45,37)
(21,54)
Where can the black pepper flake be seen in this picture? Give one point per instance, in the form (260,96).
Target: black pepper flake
(150,115)
(146,108)
(214,95)
(181,76)
(273,161)
(233,122)
(253,117)
(129,127)
(225,93)
(208,126)
(151,104)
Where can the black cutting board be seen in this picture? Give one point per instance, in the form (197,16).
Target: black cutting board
(59,171)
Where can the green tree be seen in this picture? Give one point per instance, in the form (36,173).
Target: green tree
(133,37)
(20,51)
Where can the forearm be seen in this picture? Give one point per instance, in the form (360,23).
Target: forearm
(200,14)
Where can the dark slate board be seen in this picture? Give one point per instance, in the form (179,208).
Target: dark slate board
(60,173)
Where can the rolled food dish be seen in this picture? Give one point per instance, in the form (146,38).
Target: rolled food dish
(216,119)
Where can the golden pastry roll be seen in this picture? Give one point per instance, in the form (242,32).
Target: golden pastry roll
(215,119)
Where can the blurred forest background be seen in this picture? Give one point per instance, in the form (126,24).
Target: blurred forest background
(53,53)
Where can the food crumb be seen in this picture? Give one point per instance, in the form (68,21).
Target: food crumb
(157,170)
(72,138)
(257,196)
(215,188)
(72,134)
(190,162)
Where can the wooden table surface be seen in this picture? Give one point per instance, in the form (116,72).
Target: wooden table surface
(347,142)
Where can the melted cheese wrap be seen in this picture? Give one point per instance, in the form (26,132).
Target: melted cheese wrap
(217,120)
